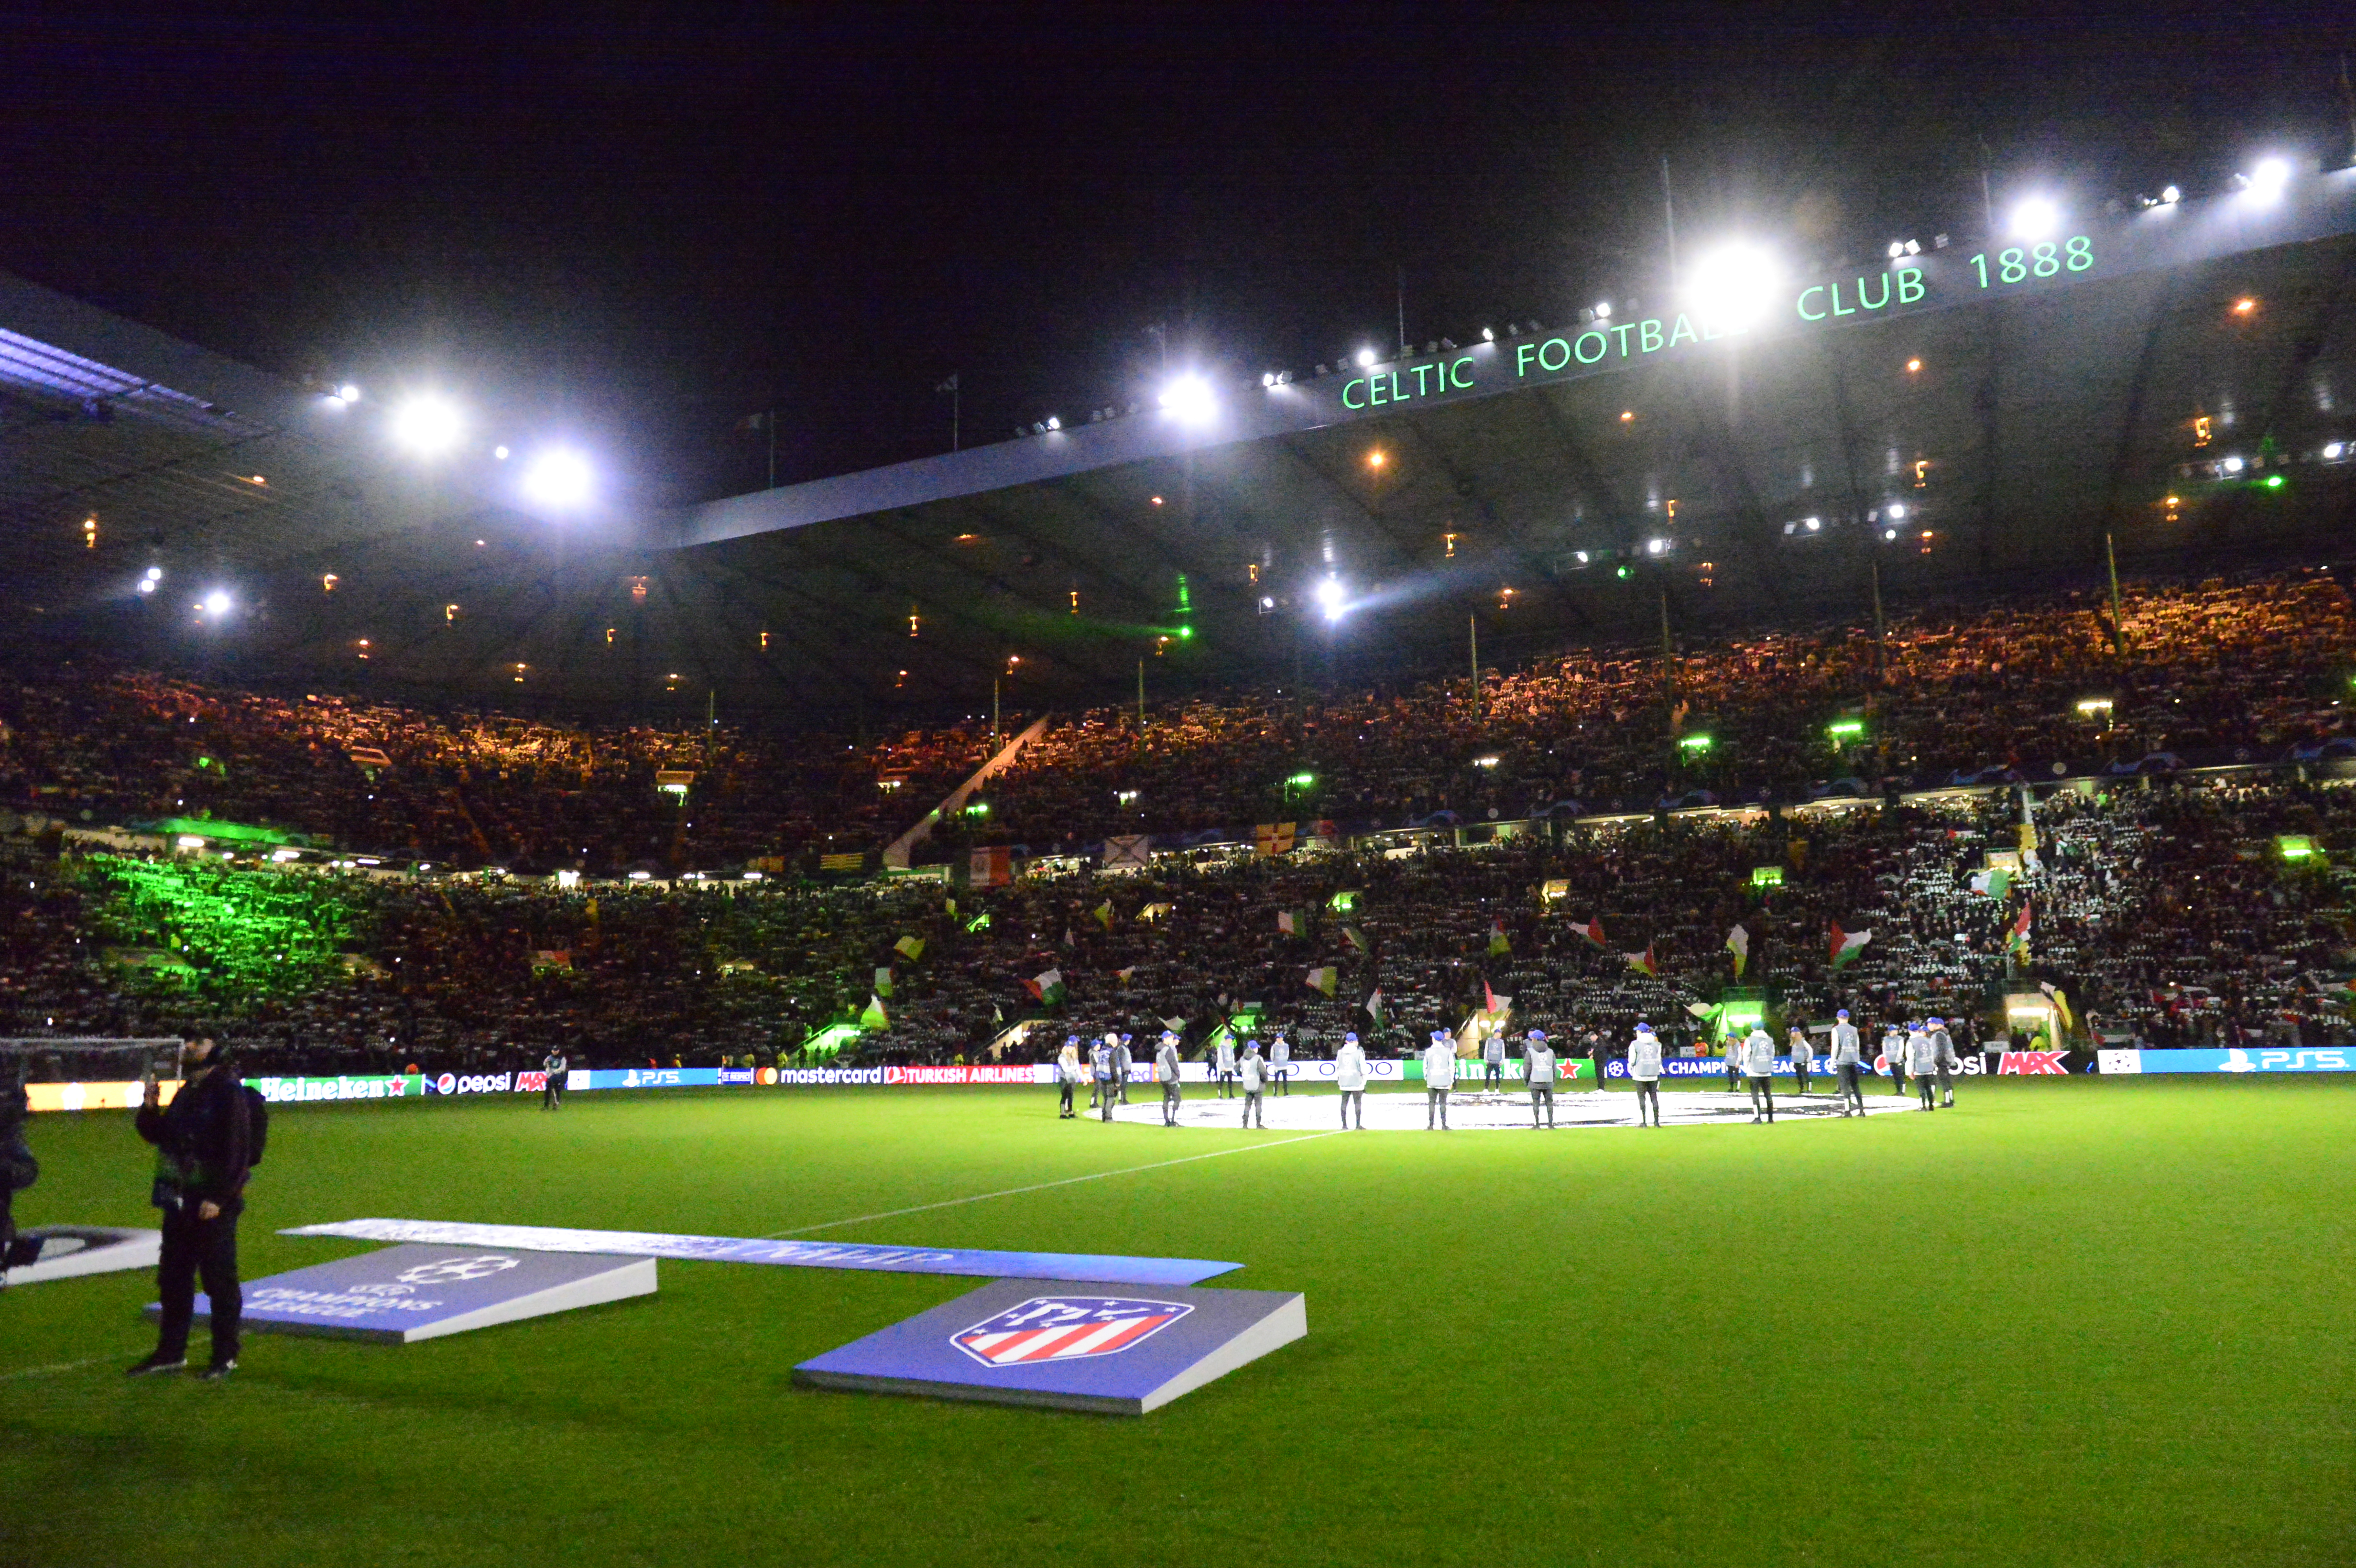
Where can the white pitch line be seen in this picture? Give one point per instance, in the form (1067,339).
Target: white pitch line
(1044,1185)
(61,1367)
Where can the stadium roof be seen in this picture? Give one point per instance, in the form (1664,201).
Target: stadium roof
(1715,458)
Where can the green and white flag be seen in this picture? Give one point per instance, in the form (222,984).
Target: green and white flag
(884,981)
(1325,979)
(874,1017)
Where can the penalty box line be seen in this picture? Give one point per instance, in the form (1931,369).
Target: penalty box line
(1044,1185)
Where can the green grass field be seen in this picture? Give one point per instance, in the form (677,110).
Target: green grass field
(2071,1322)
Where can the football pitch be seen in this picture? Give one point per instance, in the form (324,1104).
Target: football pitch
(2071,1322)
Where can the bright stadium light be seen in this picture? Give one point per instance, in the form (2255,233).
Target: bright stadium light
(2265,182)
(1366,357)
(2036,218)
(1733,285)
(559,477)
(216,604)
(1332,598)
(428,426)
(1189,397)
(2170,197)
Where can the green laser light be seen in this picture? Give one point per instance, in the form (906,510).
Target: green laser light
(1694,742)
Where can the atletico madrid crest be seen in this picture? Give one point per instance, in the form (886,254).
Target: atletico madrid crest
(1065,1328)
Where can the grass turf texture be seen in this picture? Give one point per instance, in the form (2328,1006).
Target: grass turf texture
(2069,1322)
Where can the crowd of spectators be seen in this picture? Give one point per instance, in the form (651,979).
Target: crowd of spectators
(2210,672)
(2163,910)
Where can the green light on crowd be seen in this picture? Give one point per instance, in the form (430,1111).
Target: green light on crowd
(1694,742)
(1344,902)
(1625,572)
(1766,876)
(1301,780)
(1846,729)
(979,808)
(2295,846)
(2273,481)
(1185,633)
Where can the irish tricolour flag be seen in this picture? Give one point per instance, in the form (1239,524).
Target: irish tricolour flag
(1847,944)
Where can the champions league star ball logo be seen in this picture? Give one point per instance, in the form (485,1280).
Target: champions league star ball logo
(456,1271)
(1065,1328)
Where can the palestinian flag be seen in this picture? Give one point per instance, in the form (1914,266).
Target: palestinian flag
(1325,979)
(1048,987)
(1375,1005)
(1287,924)
(1123,975)
(874,1017)
(2019,941)
(884,981)
(1593,930)
(1738,942)
(1642,962)
(1498,946)
(1847,944)
(1103,912)
(910,947)
(1995,881)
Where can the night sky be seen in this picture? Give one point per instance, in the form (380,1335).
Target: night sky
(638,223)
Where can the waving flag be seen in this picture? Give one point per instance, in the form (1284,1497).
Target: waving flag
(1498,944)
(1738,942)
(1355,937)
(1286,923)
(1325,979)
(884,981)
(1048,987)
(1644,961)
(1123,975)
(910,947)
(2019,941)
(1375,1005)
(1847,944)
(874,1017)
(1593,930)
(1103,912)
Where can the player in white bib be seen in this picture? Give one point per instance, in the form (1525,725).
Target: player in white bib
(1439,1078)
(1848,1057)
(1644,1072)
(1165,1068)
(1538,1074)
(1350,1077)
(1280,1063)
(1944,1045)
(1758,1073)
(1893,1055)
(1922,1064)
(1804,1056)
(1254,1073)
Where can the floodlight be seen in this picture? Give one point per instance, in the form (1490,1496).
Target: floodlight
(1330,598)
(1603,310)
(1897,248)
(2266,180)
(1897,513)
(348,393)
(2231,466)
(154,572)
(1814,523)
(215,602)
(1733,285)
(1888,534)
(1488,334)
(2036,218)
(146,585)
(1581,557)
(559,477)
(500,453)
(428,426)
(1267,379)
(1054,422)
(2170,197)
(2332,450)
(1189,397)
(1366,357)
(1654,547)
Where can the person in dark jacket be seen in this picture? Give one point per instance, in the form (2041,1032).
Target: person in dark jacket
(203,1147)
(18,1169)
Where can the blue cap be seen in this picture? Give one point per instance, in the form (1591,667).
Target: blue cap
(1537,1034)
(1643,1028)
(1842,1014)
(1937,1024)
(1349,1040)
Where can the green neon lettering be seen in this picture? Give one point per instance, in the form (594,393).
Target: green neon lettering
(1873,305)
(1522,352)
(1624,332)
(1579,349)
(1464,367)
(1421,372)
(1347,403)
(1910,284)
(1648,335)
(1684,328)
(1375,398)
(1812,289)
(1561,359)
(1836,304)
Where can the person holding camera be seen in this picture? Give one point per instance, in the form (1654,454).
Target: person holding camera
(205,1145)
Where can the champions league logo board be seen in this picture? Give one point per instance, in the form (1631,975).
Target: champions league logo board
(401,1295)
(1066,1345)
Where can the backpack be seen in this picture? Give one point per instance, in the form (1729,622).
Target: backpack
(257,1126)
